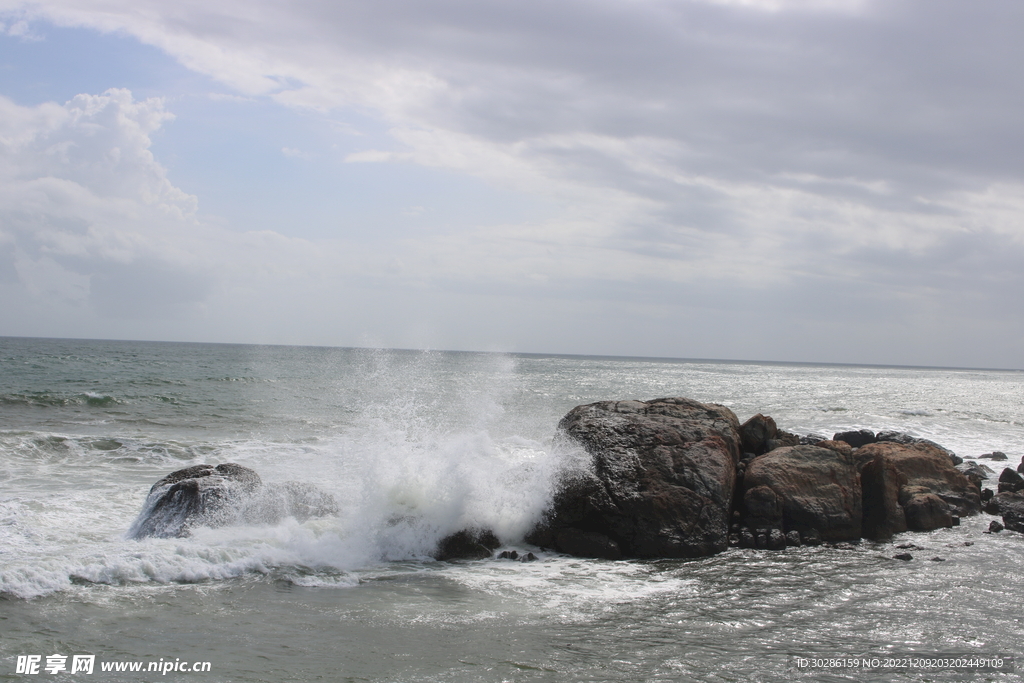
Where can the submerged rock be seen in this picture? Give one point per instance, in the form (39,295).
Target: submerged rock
(660,484)
(204,495)
(468,544)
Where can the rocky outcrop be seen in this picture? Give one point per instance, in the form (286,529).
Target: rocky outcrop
(1010,481)
(660,484)
(804,488)
(926,471)
(204,495)
(661,477)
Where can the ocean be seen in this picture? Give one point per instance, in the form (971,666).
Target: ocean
(417,444)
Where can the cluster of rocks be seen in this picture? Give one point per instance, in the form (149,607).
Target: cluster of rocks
(205,495)
(671,477)
(674,477)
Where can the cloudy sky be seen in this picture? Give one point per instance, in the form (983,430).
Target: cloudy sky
(806,180)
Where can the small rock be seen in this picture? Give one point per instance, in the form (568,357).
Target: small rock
(995,526)
(857,438)
(747,539)
(906,557)
(844,546)
(986,495)
(776,539)
(761,540)
(528,557)
(994,455)
(909,546)
(968,543)
(811,537)
(938,559)
(793,537)
(956,521)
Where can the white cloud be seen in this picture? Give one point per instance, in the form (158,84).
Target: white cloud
(795,152)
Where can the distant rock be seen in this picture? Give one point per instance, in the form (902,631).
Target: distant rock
(994,455)
(906,557)
(660,485)
(856,439)
(977,469)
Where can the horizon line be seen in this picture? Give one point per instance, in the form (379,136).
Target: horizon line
(544,354)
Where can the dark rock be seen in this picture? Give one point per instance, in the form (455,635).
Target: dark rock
(811,537)
(1012,508)
(909,546)
(816,488)
(843,546)
(194,496)
(761,540)
(467,544)
(976,469)
(927,469)
(812,439)
(661,482)
(508,555)
(994,455)
(857,438)
(747,539)
(528,557)
(986,495)
(1010,481)
(925,511)
(881,481)
(781,440)
(755,433)
(995,527)
(956,521)
(776,539)
(906,557)
(204,495)
(938,559)
(793,538)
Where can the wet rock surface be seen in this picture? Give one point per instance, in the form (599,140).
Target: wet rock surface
(214,496)
(660,484)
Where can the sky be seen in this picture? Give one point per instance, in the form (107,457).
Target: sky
(789,180)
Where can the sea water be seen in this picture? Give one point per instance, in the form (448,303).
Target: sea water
(415,445)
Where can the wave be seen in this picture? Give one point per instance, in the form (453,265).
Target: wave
(46,399)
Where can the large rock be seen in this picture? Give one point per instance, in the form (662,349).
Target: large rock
(881,483)
(204,495)
(804,488)
(927,469)
(660,485)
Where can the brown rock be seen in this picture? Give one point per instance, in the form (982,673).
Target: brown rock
(928,466)
(881,483)
(818,489)
(755,433)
